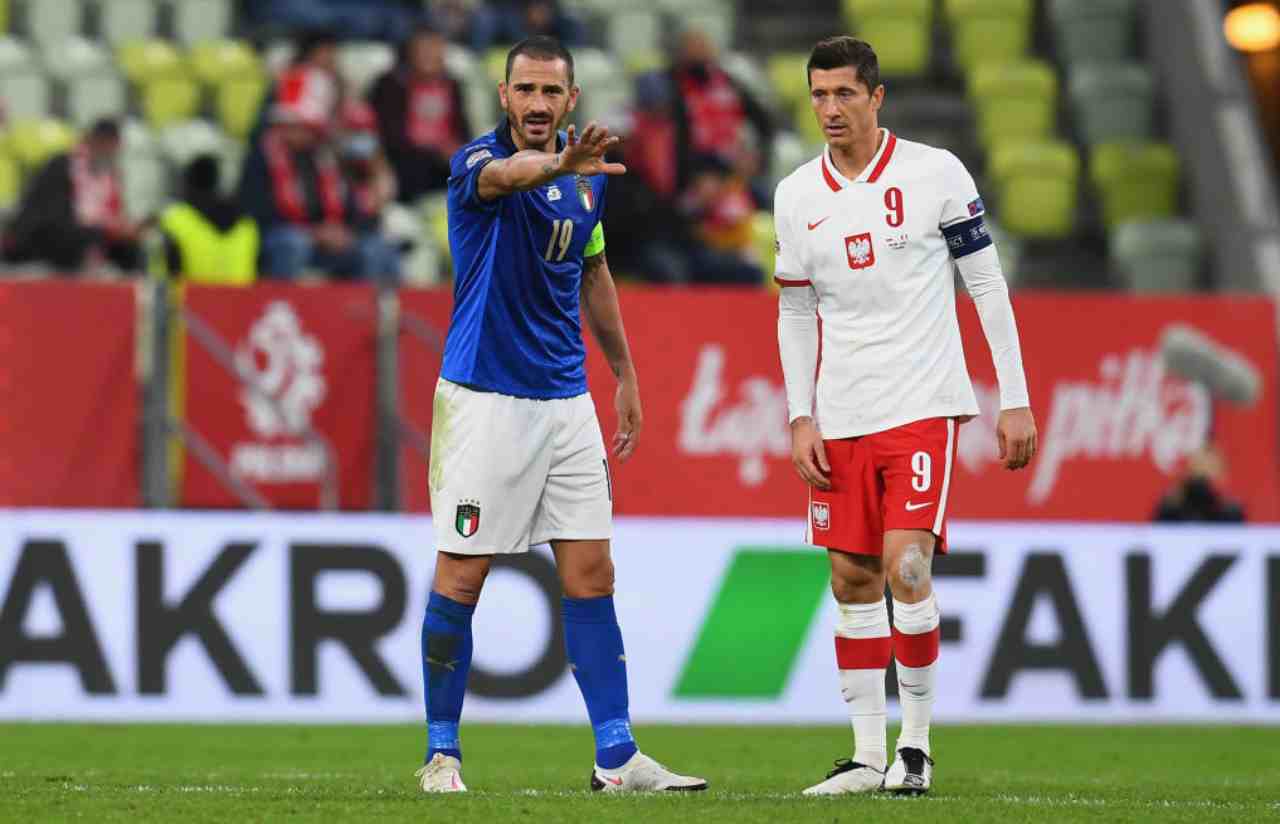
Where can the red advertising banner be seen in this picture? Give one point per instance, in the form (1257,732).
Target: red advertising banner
(1117,422)
(424,323)
(311,352)
(69,399)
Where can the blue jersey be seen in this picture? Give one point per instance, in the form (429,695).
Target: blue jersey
(517,261)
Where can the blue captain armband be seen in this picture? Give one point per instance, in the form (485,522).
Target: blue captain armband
(966,237)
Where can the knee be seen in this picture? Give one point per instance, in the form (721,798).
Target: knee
(461,582)
(910,576)
(591,579)
(858,585)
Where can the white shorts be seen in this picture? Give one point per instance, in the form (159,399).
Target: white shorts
(508,473)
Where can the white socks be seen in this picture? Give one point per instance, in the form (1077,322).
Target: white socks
(915,646)
(863,647)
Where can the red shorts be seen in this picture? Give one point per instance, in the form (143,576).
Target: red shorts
(896,479)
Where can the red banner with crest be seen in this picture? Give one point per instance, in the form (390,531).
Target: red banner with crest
(300,427)
(1117,425)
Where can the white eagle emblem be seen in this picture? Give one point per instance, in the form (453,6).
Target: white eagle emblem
(860,251)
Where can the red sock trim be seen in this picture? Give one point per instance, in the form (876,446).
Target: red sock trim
(916,650)
(863,653)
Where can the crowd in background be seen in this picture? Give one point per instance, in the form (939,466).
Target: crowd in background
(323,163)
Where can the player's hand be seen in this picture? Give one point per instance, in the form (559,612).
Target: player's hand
(1016,437)
(585,155)
(808,454)
(630,419)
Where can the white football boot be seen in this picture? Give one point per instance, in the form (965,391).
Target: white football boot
(849,777)
(911,773)
(442,774)
(641,774)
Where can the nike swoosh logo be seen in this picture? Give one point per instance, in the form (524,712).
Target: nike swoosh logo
(449,665)
(813,226)
(617,782)
(913,507)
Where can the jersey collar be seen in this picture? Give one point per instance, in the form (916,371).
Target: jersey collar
(836,181)
(503,133)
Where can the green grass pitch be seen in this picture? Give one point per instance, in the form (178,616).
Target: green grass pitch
(141,773)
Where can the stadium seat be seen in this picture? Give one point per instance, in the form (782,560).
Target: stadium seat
(279,54)
(169,100)
(764,242)
(361,63)
(195,21)
(145,180)
(1135,180)
(76,56)
(901,43)
(744,68)
(1112,101)
(856,11)
(25,93)
(958,10)
(143,60)
(788,78)
(123,21)
(180,142)
(215,61)
(53,21)
(789,153)
(608,89)
(1157,255)
(91,97)
(495,63)
(1014,100)
(989,39)
(714,20)
(1036,183)
(14,54)
(10,182)
(643,62)
(239,99)
(634,31)
(35,140)
(1093,30)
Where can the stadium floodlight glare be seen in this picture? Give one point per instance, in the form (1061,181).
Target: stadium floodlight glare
(1253,27)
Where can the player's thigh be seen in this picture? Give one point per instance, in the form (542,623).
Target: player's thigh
(846,517)
(585,567)
(577,500)
(489,460)
(915,461)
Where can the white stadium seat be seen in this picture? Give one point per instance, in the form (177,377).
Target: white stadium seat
(53,21)
(361,63)
(94,96)
(123,21)
(76,56)
(195,21)
(24,93)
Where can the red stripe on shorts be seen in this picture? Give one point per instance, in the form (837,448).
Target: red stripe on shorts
(863,653)
(916,650)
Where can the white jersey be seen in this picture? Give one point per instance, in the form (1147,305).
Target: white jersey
(876,253)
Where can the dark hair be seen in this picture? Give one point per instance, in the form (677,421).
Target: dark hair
(105,129)
(308,41)
(540,47)
(201,174)
(838,52)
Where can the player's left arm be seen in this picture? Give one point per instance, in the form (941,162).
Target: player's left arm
(979,264)
(604,317)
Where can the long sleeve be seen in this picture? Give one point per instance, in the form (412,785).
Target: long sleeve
(798,346)
(985,281)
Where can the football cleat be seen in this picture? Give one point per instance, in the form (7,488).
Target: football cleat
(849,777)
(911,773)
(641,774)
(442,774)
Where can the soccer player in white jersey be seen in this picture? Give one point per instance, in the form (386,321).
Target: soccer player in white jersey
(868,234)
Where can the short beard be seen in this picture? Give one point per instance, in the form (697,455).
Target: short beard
(549,146)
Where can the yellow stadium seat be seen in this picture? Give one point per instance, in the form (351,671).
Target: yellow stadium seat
(214,61)
(495,63)
(10,182)
(34,141)
(788,76)
(142,60)
(169,100)
(239,100)
(763,242)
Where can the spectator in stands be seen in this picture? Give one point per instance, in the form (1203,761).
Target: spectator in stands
(72,215)
(712,111)
(513,20)
(1198,496)
(719,204)
(295,185)
(364,165)
(359,19)
(314,50)
(207,238)
(421,115)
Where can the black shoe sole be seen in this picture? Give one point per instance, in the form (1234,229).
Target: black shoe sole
(597,786)
(911,791)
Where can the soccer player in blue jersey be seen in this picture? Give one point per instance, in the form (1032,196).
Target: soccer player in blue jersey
(517,457)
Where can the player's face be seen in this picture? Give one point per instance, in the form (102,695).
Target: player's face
(845,109)
(536,98)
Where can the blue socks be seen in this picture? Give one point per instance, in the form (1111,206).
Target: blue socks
(446,660)
(594,644)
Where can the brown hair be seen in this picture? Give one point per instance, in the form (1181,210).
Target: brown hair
(837,52)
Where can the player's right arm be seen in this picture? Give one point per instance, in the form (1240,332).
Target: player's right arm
(798,349)
(530,168)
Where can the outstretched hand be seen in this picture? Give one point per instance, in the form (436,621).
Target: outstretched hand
(585,155)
